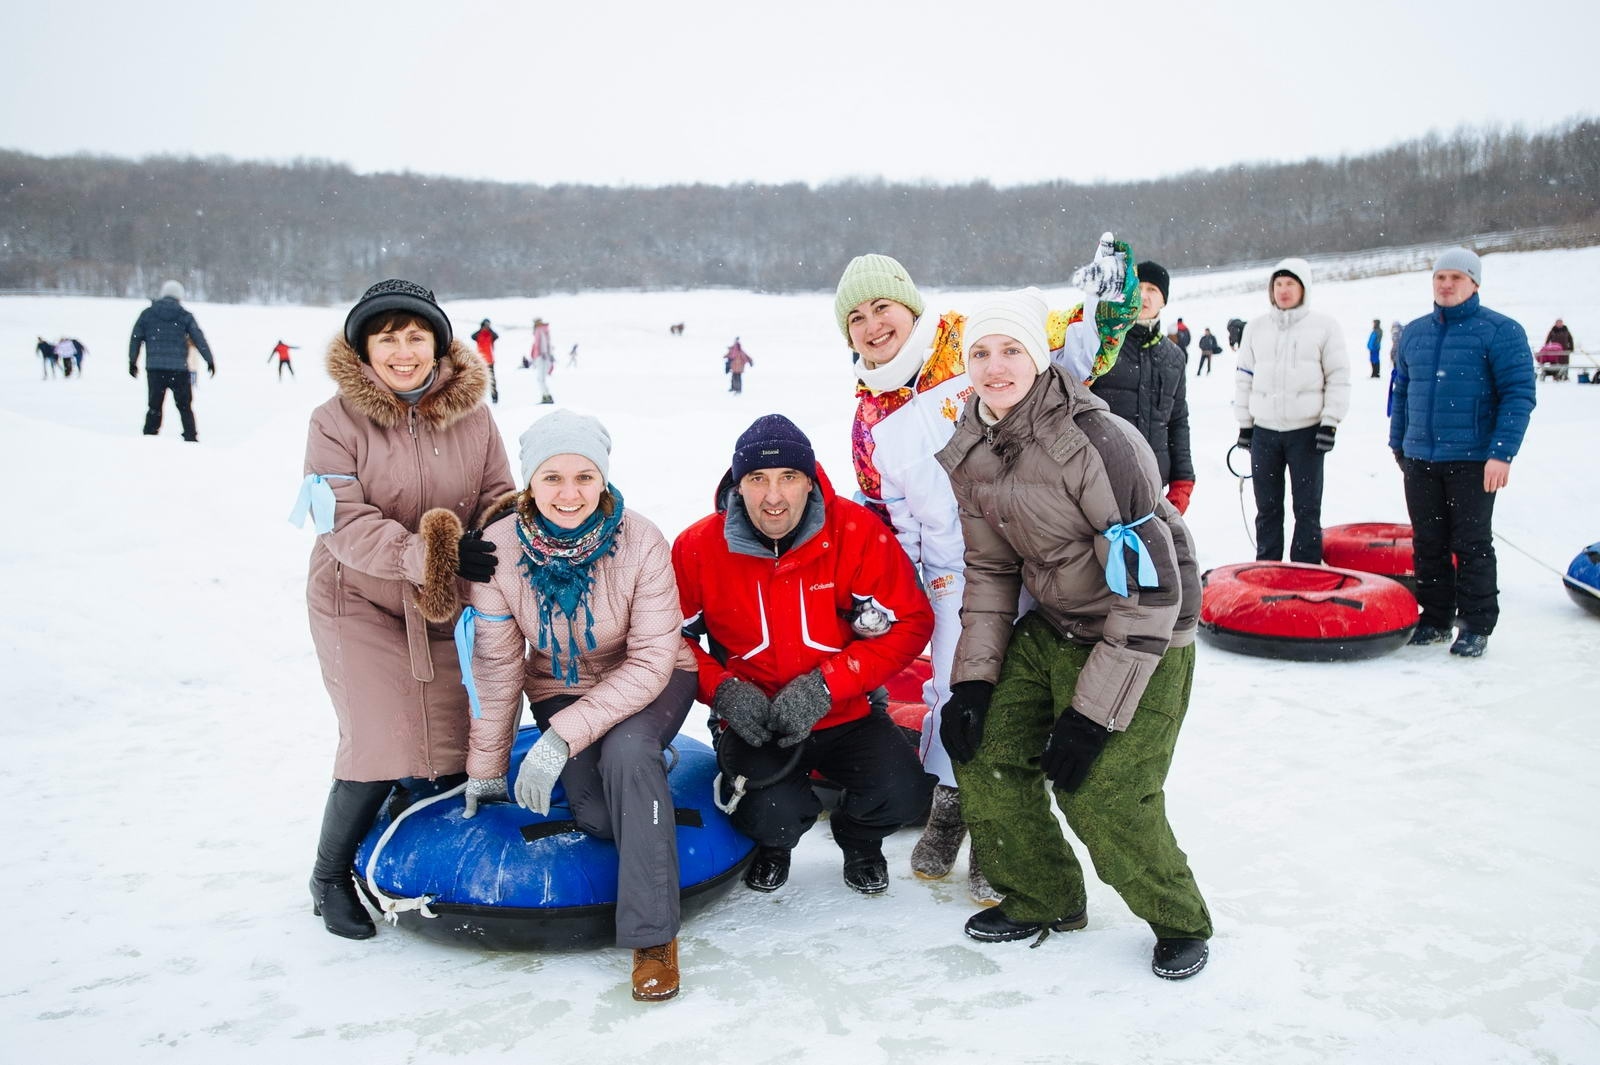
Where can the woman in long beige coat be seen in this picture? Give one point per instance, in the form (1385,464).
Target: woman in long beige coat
(583,617)
(398,463)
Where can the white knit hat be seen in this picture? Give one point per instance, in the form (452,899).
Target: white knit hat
(565,432)
(1023,316)
(171,288)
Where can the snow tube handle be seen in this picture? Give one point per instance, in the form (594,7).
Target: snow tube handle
(1353,604)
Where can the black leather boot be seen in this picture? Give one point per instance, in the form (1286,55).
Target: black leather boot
(352,805)
(770,869)
(993,926)
(1179,959)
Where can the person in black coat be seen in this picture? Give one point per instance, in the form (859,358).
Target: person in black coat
(1235,333)
(1208,348)
(1146,386)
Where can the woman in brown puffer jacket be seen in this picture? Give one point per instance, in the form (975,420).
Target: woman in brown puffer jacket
(1087,692)
(397,465)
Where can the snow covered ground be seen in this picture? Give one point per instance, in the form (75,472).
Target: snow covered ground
(1401,855)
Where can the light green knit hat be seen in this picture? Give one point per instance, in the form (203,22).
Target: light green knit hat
(869,277)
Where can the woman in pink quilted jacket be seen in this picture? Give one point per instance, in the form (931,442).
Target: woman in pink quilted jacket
(582,616)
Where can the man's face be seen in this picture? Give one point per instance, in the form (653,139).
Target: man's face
(1152,301)
(775,500)
(1287,293)
(1452,288)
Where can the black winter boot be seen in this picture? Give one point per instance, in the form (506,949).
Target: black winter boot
(993,926)
(770,869)
(352,805)
(865,868)
(1179,959)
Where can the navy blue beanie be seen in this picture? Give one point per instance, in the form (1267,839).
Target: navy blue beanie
(773,442)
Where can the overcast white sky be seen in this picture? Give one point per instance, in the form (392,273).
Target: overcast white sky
(648,93)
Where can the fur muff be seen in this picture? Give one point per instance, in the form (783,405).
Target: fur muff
(441,532)
(464,384)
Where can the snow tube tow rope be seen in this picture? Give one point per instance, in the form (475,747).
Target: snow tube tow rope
(1304,613)
(742,784)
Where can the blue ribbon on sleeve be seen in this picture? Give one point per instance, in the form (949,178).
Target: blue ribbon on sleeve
(316,497)
(1122,536)
(466,639)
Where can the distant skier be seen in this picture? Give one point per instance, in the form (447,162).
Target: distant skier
(543,357)
(572,356)
(735,363)
(485,338)
(281,350)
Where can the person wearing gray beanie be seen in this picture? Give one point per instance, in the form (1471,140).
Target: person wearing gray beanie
(565,432)
(165,330)
(585,621)
(1462,357)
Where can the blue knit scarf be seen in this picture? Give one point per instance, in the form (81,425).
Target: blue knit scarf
(558,564)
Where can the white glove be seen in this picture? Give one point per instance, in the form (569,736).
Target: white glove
(541,767)
(483,789)
(1103,278)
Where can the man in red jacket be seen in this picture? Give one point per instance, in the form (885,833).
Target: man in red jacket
(807,602)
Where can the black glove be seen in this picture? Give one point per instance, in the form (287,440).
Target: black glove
(745,708)
(1324,438)
(798,706)
(475,561)
(133,369)
(961,720)
(1074,743)
(1399,457)
(1244,436)
(211,369)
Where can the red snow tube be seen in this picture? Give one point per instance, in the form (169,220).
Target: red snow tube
(1304,613)
(905,697)
(1371,547)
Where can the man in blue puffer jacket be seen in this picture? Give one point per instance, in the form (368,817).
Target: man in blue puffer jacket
(1459,401)
(166,328)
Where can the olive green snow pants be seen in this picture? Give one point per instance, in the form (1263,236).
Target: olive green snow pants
(1119,813)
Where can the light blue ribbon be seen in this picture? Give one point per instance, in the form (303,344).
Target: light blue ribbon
(466,639)
(1122,536)
(316,498)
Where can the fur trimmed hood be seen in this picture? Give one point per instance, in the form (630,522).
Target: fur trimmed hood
(461,382)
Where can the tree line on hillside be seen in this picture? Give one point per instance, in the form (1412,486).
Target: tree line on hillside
(317,232)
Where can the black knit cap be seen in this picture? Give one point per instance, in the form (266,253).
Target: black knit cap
(1156,274)
(395,296)
(773,442)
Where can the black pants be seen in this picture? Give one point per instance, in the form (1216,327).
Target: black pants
(1272,452)
(884,785)
(1204,364)
(285,364)
(159,382)
(1451,515)
(738,383)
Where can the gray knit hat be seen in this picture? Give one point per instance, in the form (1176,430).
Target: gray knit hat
(565,432)
(1461,259)
(171,288)
(869,277)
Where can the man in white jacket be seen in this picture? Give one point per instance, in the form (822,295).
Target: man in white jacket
(1290,393)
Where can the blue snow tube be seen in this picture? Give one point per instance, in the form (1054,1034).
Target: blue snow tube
(1583,579)
(509,879)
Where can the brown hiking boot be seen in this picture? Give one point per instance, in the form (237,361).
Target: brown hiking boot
(935,853)
(655,972)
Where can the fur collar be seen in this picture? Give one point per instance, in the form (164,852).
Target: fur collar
(461,383)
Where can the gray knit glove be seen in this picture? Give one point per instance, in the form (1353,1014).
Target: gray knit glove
(540,769)
(798,706)
(483,789)
(745,708)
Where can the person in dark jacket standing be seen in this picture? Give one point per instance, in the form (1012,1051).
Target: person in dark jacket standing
(1208,347)
(1560,336)
(1146,386)
(1180,336)
(1462,394)
(47,352)
(165,329)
